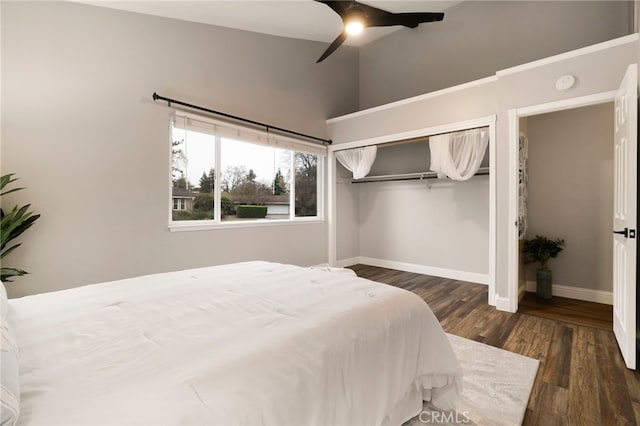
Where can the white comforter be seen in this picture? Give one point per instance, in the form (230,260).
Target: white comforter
(249,343)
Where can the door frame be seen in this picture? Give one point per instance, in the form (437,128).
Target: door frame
(511,302)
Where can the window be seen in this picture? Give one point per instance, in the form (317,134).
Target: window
(240,175)
(179,204)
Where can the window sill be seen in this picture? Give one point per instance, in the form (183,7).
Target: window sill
(199,226)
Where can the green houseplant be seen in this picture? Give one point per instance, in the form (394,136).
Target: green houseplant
(542,249)
(12,225)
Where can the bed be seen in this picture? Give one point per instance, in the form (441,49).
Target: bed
(252,343)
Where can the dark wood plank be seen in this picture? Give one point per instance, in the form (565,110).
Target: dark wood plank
(582,379)
(577,312)
(584,390)
(558,365)
(611,377)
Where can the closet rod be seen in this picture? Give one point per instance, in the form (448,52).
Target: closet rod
(425,139)
(246,120)
(411,176)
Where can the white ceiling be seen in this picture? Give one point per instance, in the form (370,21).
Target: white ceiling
(302,19)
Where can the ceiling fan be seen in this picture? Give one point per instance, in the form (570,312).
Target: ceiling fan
(356,16)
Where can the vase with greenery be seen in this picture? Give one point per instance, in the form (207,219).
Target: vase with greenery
(12,225)
(540,250)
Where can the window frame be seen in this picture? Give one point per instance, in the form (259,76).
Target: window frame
(263,139)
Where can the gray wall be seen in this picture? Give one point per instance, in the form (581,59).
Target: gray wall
(445,225)
(571,192)
(392,158)
(80,130)
(423,223)
(478,38)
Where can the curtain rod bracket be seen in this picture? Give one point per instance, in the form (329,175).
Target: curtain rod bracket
(245,120)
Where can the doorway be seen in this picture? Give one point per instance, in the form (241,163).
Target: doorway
(518,117)
(624,203)
(566,192)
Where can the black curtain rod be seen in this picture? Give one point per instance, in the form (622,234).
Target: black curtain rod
(268,127)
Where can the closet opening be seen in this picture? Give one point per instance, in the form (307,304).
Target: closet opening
(566,186)
(398,213)
(410,159)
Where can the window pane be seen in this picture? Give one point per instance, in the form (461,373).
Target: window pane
(193,175)
(256,181)
(306,184)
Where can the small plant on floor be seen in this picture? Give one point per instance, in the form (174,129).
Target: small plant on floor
(541,250)
(12,225)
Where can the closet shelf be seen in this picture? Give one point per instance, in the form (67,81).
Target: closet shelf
(411,176)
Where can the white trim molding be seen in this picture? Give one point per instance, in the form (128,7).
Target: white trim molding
(331,210)
(512,212)
(413,99)
(581,101)
(503,304)
(472,277)
(493,290)
(571,54)
(578,293)
(501,73)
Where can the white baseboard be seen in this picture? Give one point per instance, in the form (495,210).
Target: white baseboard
(348,262)
(471,277)
(503,304)
(578,293)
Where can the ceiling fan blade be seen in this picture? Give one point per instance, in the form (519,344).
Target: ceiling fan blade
(340,7)
(411,20)
(346,8)
(372,17)
(336,43)
(369,11)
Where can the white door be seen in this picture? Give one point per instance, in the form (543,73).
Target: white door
(624,217)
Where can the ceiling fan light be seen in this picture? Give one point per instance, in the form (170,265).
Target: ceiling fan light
(354,27)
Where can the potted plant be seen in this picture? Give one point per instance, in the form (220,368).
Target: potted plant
(12,225)
(541,250)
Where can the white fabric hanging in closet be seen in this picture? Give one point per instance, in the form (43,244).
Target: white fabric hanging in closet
(358,160)
(458,155)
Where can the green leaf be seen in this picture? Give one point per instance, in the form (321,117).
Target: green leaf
(12,220)
(12,225)
(6,180)
(6,273)
(9,250)
(27,221)
(542,249)
(10,191)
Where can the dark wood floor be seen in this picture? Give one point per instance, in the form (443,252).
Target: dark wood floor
(582,379)
(573,311)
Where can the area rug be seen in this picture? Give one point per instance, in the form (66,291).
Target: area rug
(496,387)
